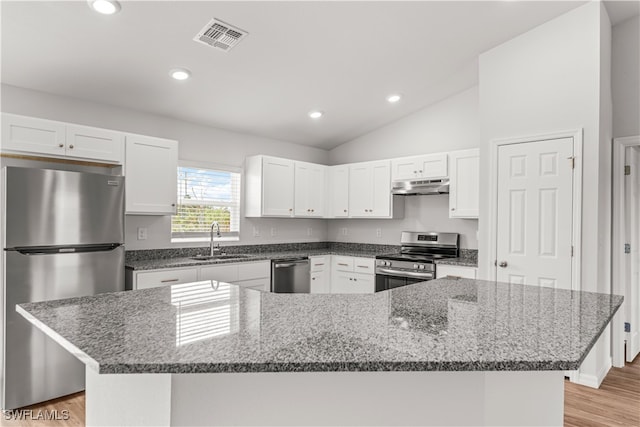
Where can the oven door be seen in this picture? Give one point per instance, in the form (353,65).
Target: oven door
(390,279)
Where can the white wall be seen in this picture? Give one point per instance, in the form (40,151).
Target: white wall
(452,124)
(625,68)
(197,143)
(556,78)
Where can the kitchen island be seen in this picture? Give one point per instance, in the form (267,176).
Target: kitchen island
(444,352)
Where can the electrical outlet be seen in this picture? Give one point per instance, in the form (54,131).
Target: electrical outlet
(256,232)
(309,231)
(142,233)
(273,231)
(345,231)
(378,232)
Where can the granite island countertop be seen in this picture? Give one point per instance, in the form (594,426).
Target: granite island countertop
(440,325)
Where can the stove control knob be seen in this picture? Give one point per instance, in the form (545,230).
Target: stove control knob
(387,263)
(415,266)
(421,267)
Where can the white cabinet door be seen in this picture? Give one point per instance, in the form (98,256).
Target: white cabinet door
(222,272)
(263,284)
(432,166)
(464,186)
(32,135)
(151,175)
(360,190)
(404,168)
(93,143)
(381,191)
(165,277)
(319,282)
(339,191)
(370,190)
(277,186)
(352,283)
(429,166)
(455,271)
(309,195)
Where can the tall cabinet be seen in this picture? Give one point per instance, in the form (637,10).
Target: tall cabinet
(464,187)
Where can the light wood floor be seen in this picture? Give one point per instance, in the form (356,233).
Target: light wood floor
(615,403)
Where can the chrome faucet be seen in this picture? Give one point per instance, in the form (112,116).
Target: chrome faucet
(216,250)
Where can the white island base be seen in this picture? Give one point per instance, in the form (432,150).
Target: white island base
(472,398)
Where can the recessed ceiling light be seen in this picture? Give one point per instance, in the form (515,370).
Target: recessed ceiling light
(106,7)
(315,114)
(393,98)
(180,73)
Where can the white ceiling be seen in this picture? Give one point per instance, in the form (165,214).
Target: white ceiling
(340,57)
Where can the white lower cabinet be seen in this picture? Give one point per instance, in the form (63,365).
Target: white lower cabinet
(319,274)
(352,275)
(455,271)
(253,275)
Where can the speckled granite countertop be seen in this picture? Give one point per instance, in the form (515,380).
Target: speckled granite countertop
(440,325)
(153,264)
(467,258)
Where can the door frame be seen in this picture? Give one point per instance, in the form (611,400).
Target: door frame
(495,144)
(618,260)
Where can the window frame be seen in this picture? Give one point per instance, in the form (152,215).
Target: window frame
(177,237)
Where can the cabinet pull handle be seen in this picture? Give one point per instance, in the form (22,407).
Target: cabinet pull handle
(71,146)
(453,209)
(420,171)
(345,211)
(313,278)
(318,264)
(169,280)
(342,264)
(61,145)
(362,266)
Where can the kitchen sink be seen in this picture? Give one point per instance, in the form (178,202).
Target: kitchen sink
(215,257)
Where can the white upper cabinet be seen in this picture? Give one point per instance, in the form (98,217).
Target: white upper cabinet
(92,143)
(370,190)
(309,183)
(338,191)
(151,175)
(61,140)
(464,184)
(269,186)
(430,166)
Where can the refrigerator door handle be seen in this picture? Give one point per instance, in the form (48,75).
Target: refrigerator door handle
(48,250)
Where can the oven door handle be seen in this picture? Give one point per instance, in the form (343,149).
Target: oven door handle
(404,273)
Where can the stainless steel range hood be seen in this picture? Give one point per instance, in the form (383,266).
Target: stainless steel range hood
(420,187)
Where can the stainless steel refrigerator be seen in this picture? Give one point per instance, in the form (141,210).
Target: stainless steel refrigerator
(63,237)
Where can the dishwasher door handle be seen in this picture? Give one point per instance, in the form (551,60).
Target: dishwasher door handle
(290,264)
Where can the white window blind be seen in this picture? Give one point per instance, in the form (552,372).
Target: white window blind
(205,196)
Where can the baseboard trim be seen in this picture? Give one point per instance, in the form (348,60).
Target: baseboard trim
(594,381)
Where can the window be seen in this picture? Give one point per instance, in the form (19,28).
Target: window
(204,196)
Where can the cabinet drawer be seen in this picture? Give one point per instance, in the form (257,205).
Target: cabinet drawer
(364,265)
(342,263)
(166,277)
(318,263)
(222,273)
(254,270)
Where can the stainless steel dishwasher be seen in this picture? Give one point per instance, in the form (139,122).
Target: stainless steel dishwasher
(290,275)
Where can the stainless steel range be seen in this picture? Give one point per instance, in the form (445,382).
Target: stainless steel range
(415,261)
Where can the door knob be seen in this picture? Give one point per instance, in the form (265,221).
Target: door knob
(502,264)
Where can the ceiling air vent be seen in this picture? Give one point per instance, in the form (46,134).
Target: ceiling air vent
(220,35)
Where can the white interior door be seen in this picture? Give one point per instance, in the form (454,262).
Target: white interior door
(534,220)
(632,219)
